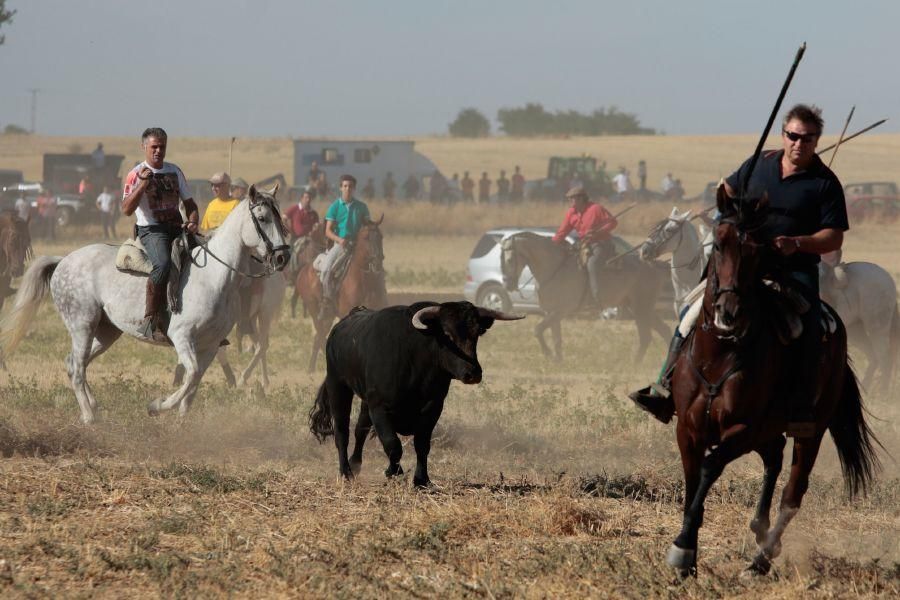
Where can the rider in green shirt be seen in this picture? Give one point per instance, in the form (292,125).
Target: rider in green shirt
(344,218)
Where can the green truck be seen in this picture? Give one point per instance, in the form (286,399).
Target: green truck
(562,170)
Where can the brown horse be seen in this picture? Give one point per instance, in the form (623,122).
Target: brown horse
(728,389)
(312,246)
(363,284)
(563,288)
(15,249)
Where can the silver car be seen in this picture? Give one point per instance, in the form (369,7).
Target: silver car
(484,280)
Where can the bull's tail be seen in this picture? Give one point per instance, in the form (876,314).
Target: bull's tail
(32,291)
(320,421)
(854,440)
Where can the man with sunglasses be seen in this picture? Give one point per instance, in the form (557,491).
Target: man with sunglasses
(807,218)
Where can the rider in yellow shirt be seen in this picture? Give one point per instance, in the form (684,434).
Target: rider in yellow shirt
(221,205)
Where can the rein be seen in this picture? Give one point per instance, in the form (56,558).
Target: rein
(271,249)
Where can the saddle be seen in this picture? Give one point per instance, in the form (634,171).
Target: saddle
(338,270)
(132,258)
(788,306)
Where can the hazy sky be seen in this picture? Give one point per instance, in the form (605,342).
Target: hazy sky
(280,67)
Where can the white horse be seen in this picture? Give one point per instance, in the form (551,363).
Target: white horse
(865,297)
(676,235)
(98,303)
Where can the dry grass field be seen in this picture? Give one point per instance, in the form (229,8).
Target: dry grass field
(548,482)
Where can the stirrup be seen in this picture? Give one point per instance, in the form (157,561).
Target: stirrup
(661,407)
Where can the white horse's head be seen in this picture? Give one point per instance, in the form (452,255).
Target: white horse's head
(665,235)
(264,231)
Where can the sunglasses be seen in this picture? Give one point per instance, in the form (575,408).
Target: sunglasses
(800,137)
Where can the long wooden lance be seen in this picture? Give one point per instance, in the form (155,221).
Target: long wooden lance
(841,139)
(775,109)
(850,137)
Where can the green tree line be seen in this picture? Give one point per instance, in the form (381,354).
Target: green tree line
(534,120)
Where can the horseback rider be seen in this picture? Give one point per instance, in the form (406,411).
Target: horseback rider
(594,225)
(153,189)
(807,218)
(300,220)
(343,220)
(221,205)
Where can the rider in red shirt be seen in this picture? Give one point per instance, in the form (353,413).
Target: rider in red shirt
(301,218)
(594,225)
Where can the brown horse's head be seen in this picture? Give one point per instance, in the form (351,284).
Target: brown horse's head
(370,242)
(735,263)
(15,244)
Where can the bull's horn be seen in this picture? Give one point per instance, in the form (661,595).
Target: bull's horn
(424,312)
(497,315)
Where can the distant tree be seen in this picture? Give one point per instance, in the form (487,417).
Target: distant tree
(14,130)
(471,124)
(534,120)
(5,17)
(75,148)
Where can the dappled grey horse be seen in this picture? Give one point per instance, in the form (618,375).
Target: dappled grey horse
(865,297)
(97,302)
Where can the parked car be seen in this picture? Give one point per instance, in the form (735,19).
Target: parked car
(484,279)
(70,208)
(872,197)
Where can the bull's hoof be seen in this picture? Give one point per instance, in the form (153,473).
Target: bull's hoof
(421,483)
(393,471)
(685,561)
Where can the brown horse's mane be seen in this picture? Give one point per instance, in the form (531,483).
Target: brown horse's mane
(14,236)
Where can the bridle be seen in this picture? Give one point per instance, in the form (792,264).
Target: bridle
(655,240)
(376,251)
(510,242)
(271,250)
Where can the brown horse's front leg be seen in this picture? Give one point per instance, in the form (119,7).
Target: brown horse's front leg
(805,452)
(772,455)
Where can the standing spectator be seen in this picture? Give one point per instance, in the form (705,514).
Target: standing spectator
(621,184)
(668,183)
(23,210)
(453,189)
(98,157)
(85,187)
(368,191)
(642,175)
(411,187)
(239,189)
(46,205)
(518,186)
(438,187)
(107,204)
(321,184)
(468,188)
(312,178)
(484,188)
(390,187)
(502,188)
(677,190)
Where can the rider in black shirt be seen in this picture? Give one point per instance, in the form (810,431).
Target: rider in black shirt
(807,218)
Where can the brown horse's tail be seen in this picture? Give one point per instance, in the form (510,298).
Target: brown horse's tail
(320,421)
(855,442)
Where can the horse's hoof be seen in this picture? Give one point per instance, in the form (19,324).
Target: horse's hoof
(760,529)
(682,559)
(355,466)
(761,565)
(153,408)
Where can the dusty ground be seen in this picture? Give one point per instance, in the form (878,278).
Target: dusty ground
(548,483)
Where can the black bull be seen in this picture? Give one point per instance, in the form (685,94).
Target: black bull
(399,361)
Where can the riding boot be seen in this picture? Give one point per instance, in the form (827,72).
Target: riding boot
(657,397)
(155,299)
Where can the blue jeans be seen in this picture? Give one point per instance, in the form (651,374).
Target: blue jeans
(157,241)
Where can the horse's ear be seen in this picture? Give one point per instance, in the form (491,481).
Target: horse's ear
(674,213)
(273,190)
(724,202)
(380,220)
(251,193)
